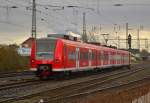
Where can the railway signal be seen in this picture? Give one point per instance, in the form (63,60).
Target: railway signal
(129,40)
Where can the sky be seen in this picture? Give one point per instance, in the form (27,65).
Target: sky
(15,23)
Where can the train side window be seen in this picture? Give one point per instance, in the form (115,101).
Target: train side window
(84,55)
(81,55)
(65,53)
(100,56)
(71,55)
(117,57)
(112,57)
(64,49)
(106,56)
(93,55)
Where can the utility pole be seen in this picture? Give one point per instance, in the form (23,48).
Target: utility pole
(138,39)
(127,35)
(34,19)
(84,28)
(118,41)
(146,44)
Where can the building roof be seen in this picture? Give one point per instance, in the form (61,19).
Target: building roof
(27,43)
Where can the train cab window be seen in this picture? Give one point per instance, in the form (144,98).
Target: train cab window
(45,48)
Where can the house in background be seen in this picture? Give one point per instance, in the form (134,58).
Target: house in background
(27,43)
(25,47)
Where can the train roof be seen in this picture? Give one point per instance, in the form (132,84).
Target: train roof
(86,45)
(92,46)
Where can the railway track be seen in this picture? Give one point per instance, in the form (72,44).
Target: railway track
(63,91)
(68,98)
(12,78)
(10,88)
(18,84)
(14,74)
(87,87)
(7,91)
(91,87)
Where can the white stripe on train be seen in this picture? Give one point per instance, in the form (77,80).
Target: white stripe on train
(82,68)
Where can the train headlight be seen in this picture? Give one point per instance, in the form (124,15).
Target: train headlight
(32,61)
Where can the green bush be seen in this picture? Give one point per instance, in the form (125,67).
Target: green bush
(10,60)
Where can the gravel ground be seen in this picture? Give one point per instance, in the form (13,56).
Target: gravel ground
(117,95)
(121,95)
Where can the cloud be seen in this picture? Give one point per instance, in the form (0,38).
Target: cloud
(15,24)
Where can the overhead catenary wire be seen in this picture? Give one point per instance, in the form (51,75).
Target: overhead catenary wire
(29,7)
(48,12)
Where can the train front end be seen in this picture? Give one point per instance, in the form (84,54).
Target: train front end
(42,56)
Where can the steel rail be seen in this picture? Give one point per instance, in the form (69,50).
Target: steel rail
(18,84)
(100,76)
(13,74)
(97,90)
(63,86)
(88,88)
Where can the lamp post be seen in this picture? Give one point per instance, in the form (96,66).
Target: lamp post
(84,37)
(84,28)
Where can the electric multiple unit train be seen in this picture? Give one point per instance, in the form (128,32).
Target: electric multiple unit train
(52,55)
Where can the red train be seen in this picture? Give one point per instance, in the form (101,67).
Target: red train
(52,55)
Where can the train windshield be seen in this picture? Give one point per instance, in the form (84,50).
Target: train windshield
(45,48)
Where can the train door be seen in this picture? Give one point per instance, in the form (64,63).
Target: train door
(77,58)
(90,57)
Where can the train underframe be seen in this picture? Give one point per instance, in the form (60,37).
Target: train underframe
(45,71)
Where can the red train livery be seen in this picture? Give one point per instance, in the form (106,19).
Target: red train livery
(51,55)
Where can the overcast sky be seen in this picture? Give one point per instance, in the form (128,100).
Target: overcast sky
(15,23)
